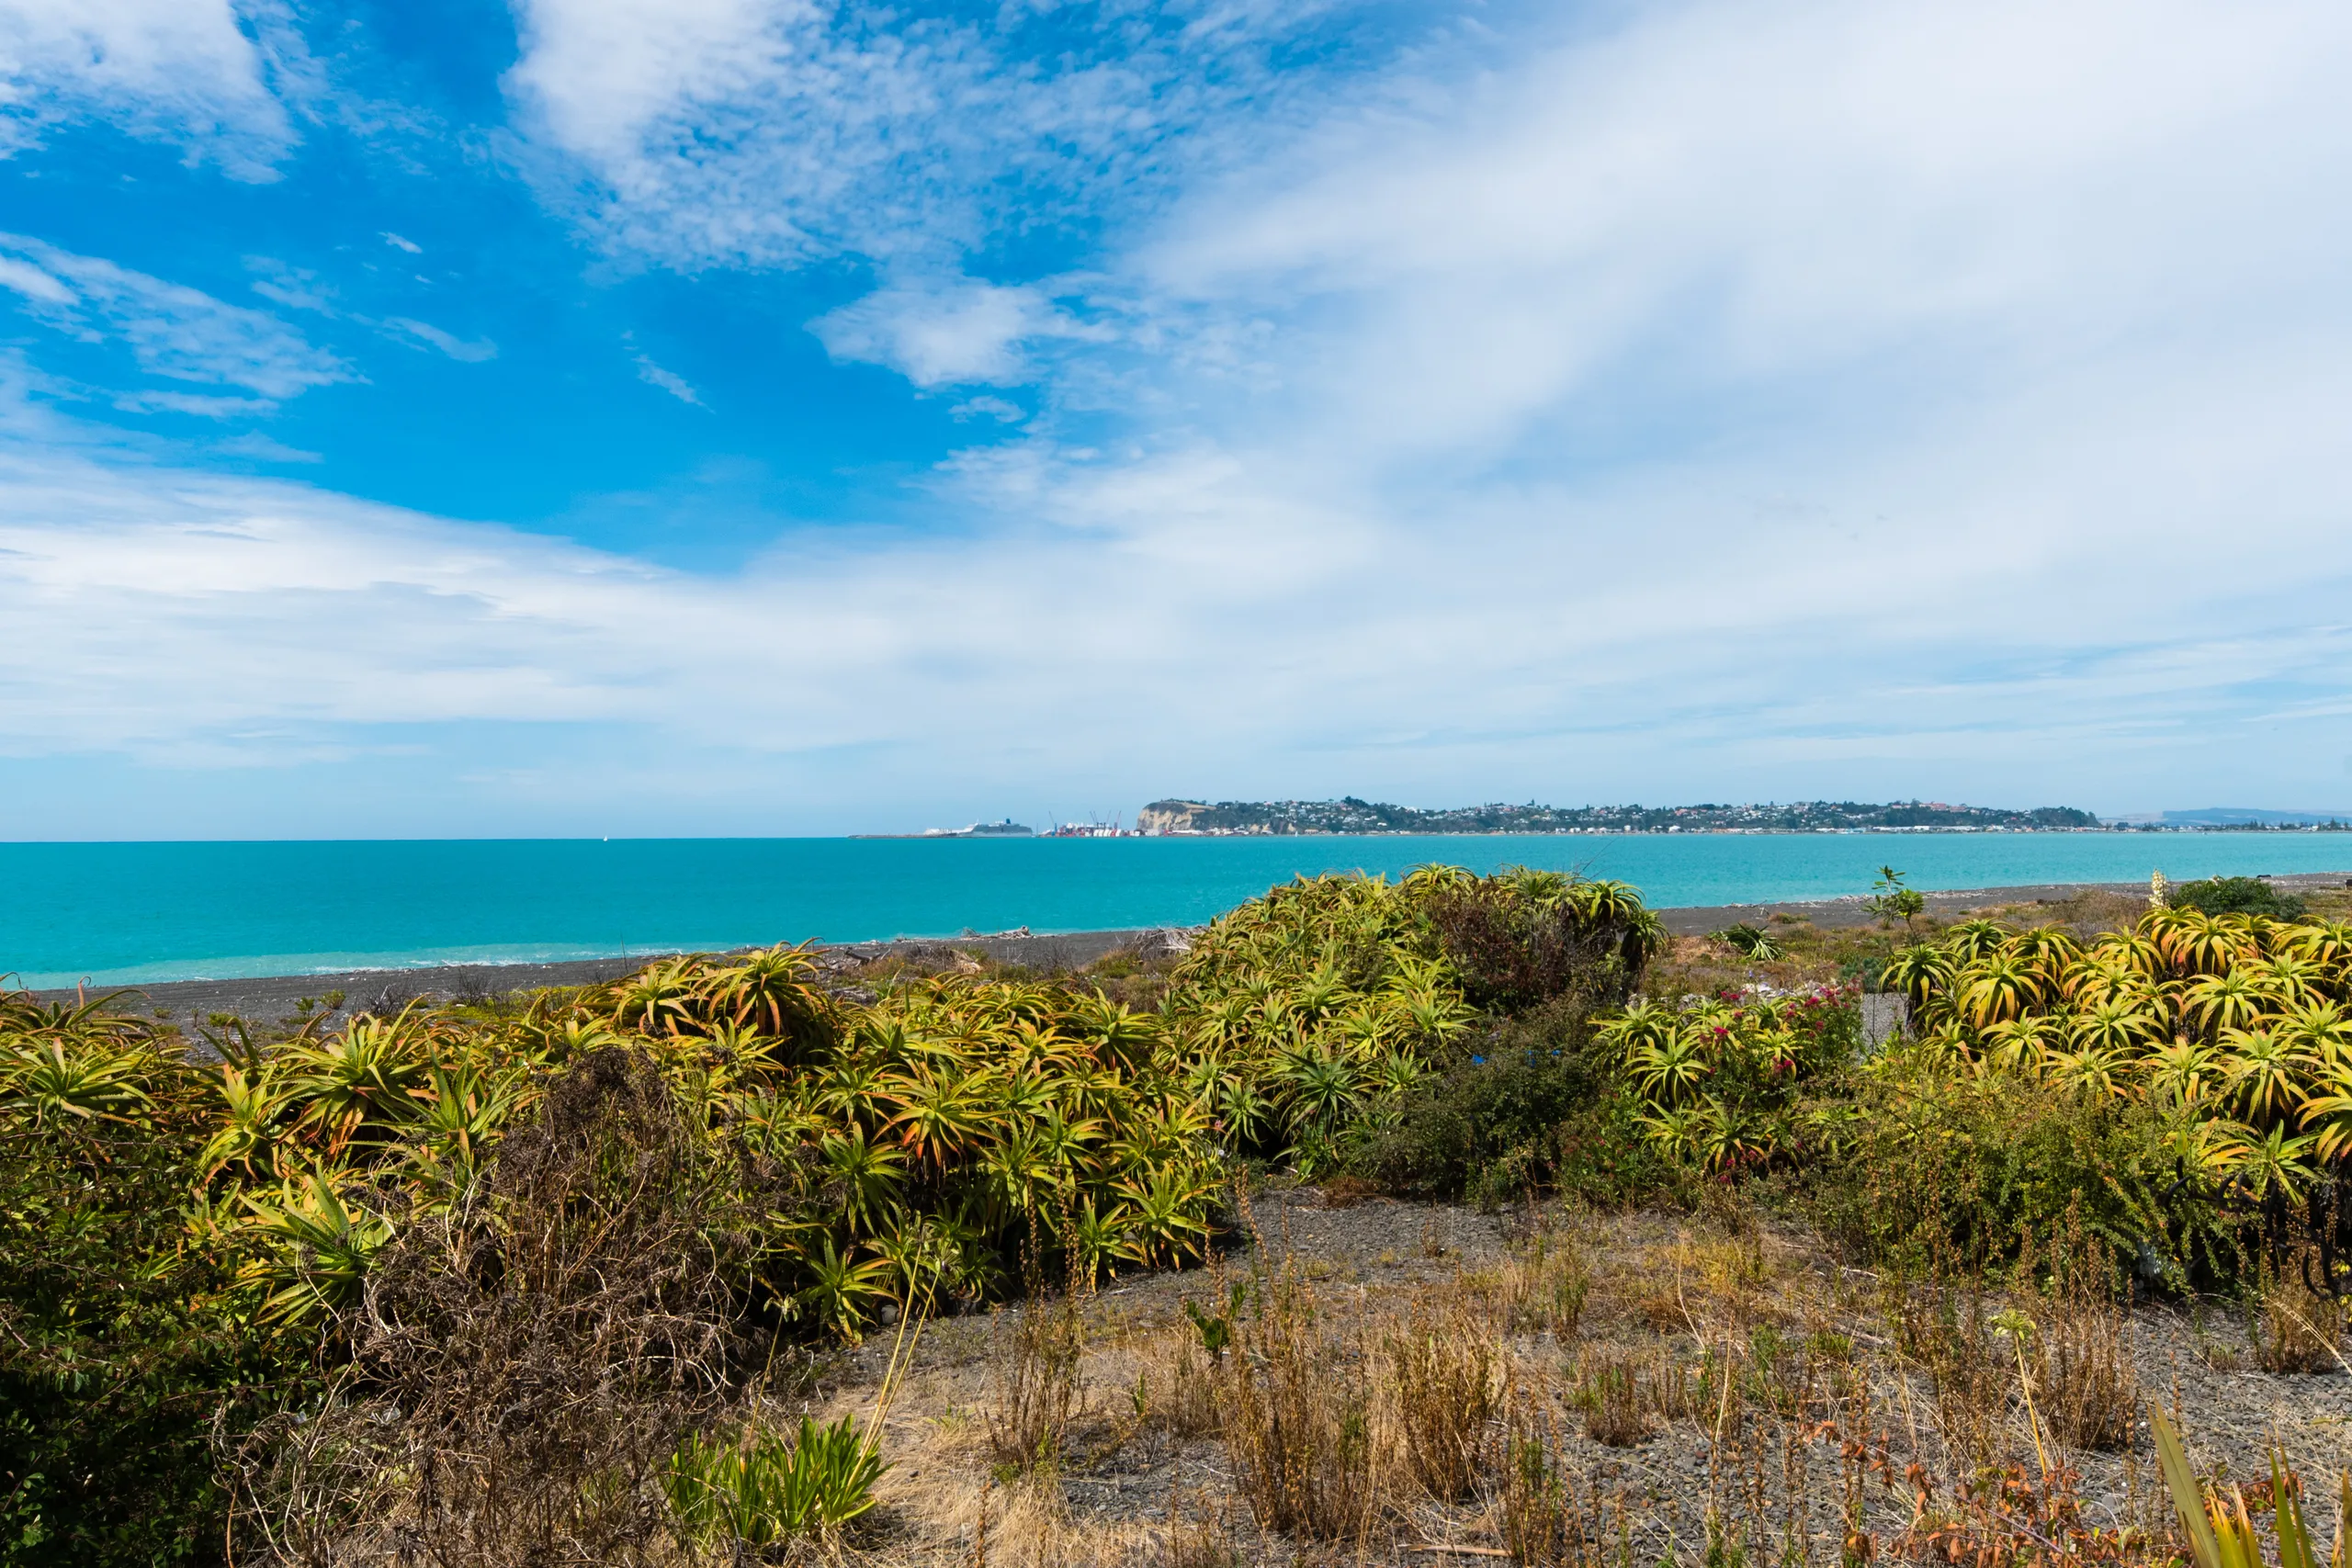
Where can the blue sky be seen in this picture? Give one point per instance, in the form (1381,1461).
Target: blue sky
(772,416)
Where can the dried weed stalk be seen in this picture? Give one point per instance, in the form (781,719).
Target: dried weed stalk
(1196,1536)
(1179,1385)
(1295,1402)
(1542,1286)
(1615,1397)
(526,1360)
(1943,1325)
(2298,1329)
(2084,1384)
(1445,1379)
(1541,1526)
(1036,1382)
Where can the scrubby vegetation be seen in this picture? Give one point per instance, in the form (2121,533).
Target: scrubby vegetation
(565,1277)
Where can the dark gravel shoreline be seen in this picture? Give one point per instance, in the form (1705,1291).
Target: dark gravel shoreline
(277,996)
(272,996)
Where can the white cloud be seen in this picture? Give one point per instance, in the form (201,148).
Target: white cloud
(411,246)
(179,71)
(957,333)
(37,286)
(260,446)
(1833,198)
(670,381)
(196,403)
(448,343)
(701,132)
(171,330)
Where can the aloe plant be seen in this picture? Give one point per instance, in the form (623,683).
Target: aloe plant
(2219,1533)
(758,1490)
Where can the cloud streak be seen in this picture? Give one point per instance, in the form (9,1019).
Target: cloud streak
(172,330)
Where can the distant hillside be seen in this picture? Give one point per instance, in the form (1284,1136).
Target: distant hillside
(1353,815)
(2252,816)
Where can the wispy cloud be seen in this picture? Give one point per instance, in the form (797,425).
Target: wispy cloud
(450,344)
(670,381)
(176,71)
(195,403)
(768,131)
(948,333)
(172,330)
(299,288)
(259,446)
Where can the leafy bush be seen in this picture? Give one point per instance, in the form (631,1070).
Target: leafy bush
(1750,941)
(529,1356)
(1937,1165)
(1502,1119)
(117,1353)
(1719,1079)
(2236,896)
(2230,1034)
(1526,937)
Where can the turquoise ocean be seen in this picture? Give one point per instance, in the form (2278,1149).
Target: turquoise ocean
(136,912)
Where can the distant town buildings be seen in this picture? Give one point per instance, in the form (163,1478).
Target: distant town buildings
(1350,815)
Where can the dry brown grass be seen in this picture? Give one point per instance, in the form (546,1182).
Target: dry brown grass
(1178,1380)
(2084,1387)
(1197,1534)
(1038,1385)
(1445,1380)
(1543,1285)
(1296,1403)
(2300,1330)
(1613,1390)
(1540,1525)
(1943,1325)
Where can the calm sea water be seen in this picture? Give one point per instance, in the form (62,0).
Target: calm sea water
(118,913)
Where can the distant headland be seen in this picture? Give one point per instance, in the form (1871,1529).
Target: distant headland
(1350,815)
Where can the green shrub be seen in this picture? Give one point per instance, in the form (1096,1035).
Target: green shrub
(116,1352)
(2236,896)
(1746,939)
(1536,1106)
(1521,937)
(1938,1161)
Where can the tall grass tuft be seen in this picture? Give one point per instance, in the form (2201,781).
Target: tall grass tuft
(1295,1402)
(2084,1384)
(1540,1525)
(1444,1375)
(1617,1406)
(1037,1385)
